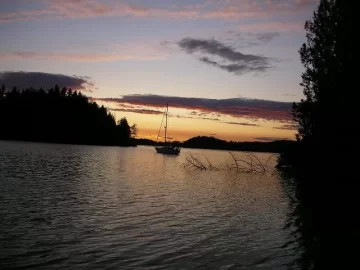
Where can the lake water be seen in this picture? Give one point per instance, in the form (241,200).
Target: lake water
(91,207)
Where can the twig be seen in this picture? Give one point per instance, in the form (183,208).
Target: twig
(252,164)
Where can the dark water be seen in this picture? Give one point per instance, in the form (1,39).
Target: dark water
(85,207)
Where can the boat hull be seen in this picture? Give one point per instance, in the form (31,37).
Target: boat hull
(168,150)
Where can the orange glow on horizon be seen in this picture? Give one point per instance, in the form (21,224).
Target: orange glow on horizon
(181,127)
(183,135)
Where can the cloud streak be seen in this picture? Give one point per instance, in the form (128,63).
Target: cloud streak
(205,9)
(288,127)
(239,63)
(214,47)
(139,111)
(237,69)
(21,80)
(77,57)
(235,107)
(242,124)
(278,27)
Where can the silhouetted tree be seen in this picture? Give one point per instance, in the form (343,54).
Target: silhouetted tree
(134,130)
(61,116)
(319,80)
(123,132)
(325,181)
(326,115)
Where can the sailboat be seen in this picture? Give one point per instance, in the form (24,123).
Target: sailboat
(166,149)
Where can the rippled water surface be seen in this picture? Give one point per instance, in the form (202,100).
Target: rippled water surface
(90,207)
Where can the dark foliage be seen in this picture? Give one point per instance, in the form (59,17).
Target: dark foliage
(321,179)
(327,114)
(59,116)
(204,142)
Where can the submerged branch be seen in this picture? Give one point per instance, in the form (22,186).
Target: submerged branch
(250,164)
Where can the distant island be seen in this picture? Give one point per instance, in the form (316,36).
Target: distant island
(205,142)
(60,116)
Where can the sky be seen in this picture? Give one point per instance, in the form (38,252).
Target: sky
(227,68)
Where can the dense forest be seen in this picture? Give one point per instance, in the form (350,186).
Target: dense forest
(59,116)
(205,142)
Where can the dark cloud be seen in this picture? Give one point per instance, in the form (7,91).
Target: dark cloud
(239,63)
(236,107)
(208,118)
(127,106)
(183,116)
(235,68)
(196,117)
(22,80)
(214,47)
(270,139)
(242,124)
(140,111)
(288,127)
(266,37)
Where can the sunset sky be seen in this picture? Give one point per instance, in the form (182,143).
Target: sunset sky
(227,68)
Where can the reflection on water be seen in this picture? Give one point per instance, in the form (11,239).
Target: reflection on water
(89,207)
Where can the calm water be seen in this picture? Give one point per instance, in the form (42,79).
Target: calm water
(89,207)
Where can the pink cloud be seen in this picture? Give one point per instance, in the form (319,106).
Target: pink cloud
(307,2)
(69,9)
(272,26)
(225,9)
(250,109)
(131,54)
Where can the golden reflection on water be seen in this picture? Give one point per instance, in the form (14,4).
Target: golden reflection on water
(110,205)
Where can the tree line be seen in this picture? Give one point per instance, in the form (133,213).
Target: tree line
(59,116)
(210,142)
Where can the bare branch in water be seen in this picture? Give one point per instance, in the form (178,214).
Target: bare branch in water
(236,163)
(251,164)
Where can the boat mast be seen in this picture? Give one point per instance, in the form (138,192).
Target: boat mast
(162,120)
(167,108)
